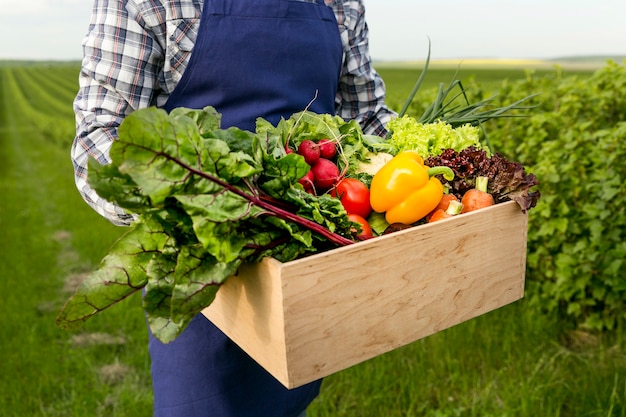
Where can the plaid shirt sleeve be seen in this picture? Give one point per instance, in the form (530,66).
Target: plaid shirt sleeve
(121,63)
(361,93)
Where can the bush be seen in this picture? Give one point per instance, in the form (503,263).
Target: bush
(575,142)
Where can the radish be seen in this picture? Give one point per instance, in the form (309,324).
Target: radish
(308,182)
(328,148)
(310,151)
(326,174)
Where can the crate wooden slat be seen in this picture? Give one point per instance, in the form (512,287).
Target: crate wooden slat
(306,319)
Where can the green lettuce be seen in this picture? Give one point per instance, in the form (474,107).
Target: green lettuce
(430,139)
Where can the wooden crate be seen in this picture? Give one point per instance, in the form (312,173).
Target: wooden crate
(306,319)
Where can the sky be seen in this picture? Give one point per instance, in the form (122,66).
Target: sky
(399,29)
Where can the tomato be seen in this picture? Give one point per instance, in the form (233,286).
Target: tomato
(366,230)
(354,196)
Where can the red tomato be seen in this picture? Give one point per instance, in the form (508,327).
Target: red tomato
(354,196)
(366,230)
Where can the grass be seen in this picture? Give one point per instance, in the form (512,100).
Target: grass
(48,239)
(511,362)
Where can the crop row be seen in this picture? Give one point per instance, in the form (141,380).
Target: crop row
(52,84)
(31,106)
(41,93)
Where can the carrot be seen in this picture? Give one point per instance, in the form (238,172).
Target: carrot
(445,201)
(438,215)
(477,197)
(443,204)
(455,207)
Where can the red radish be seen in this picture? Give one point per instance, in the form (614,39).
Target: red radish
(328,148)
(326,174)
(310,151)
(308,182)
(288,150)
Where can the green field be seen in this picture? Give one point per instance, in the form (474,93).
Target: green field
(511,362)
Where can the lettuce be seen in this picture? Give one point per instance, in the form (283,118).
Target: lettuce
(507,180)
(430,139)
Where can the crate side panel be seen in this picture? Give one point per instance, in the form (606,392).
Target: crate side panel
(349,305)
(248,308)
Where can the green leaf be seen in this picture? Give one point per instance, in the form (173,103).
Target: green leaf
(207,119)
(121,274)
(237,140)
(219,207)
(224,160)
(148,143)
(223,240)
(281,173)
(198,277)
(216,221)
(158,295)
(429,139)
(302,236)
(117,188)
(185,281)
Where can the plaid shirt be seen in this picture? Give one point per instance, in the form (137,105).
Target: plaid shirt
(136,51)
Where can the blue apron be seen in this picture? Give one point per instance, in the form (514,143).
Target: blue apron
(252,58)
(267,58)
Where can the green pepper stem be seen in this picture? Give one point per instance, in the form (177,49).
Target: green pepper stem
(447,172)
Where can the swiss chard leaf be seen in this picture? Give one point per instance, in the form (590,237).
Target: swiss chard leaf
(117,188)
(198,277)
(218,232)
(281,173)
(207,119)
(206,200)
(148,143)
(121,273)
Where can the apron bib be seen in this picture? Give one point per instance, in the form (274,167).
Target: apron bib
(265,58)
(252,58)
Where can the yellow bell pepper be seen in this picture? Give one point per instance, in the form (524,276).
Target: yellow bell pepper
(405,189)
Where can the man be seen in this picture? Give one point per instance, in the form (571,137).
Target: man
(248,59)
